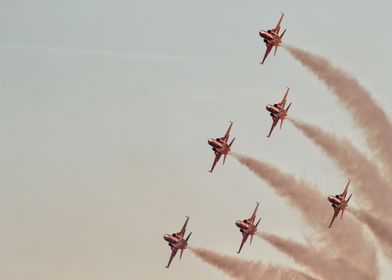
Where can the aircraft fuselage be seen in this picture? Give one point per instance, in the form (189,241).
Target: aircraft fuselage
(275,110)
(245,226)
(175,241)
(337,201)
(219,146)
(270,37)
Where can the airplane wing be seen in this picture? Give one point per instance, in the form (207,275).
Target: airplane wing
(217,157)
(244,238)
(227,134)
(173,254)
(267,51)
(277,27)
(283,102)
(344,194)
(253,217)
(274,122)
(183,229)
(335,214)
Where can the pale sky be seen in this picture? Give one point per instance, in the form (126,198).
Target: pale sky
(105,111)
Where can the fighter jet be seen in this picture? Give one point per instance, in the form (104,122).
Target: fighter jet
(221,147)
(339,203)
(272,38)
(177,241)
(248,227)
(278,112)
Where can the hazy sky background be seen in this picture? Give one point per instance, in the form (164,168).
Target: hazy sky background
(105,111)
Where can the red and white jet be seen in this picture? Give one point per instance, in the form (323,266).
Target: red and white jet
(221,147)
(339,203)
(177,241)
(248,227)
(272,38)
(278,112)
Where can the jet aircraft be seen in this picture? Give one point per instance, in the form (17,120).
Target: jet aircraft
(339,203)
(221,147)
(177,241)
(272,38)
(248,227)
(278,112)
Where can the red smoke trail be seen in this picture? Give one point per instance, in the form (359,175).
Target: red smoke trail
(240,269)
(380,226)
(346,238)
(313,259)
(369,184)
(368,115)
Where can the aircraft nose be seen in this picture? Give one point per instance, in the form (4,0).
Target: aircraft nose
(238,223)
(165,237)
(210,140)
(330,198)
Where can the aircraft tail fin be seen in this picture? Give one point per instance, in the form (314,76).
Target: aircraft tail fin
(281,35)
(188,237)
(224,157)
(288,107)
(257,224)
(341,216)
(231,142)
(281,122)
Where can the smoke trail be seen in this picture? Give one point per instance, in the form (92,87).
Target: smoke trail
(365,111)
(240,269)
(346,238)
(313,259)
(76,52)
(381,229)
(372,187)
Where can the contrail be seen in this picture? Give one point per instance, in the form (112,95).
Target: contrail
(368,115)
(240,269)
(346,238)
(76,52)
(102,53)
(379,226)
(313,259)
(370,185)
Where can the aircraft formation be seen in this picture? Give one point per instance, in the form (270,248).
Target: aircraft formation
(222,146)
